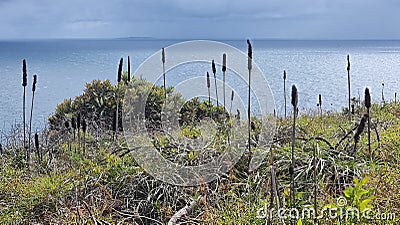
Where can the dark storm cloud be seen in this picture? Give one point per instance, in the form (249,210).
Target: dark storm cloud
(200,18)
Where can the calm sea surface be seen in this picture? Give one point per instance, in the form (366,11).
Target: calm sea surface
(316,67)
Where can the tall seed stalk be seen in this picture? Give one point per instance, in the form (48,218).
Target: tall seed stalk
(294,104)
(223,74)
(114,125)
(383,96)
(232,96)
(66,124)
(30,121)
(315,180)
(38,155)
(320,103)
(78,127)
(249,67)
(129,70)
(395,97)
(119,78)
(208,87)
(367,100)
(284,89)
(84,126)
(24,84)
(214,70)
(73,124)
(163,67)
(348,82)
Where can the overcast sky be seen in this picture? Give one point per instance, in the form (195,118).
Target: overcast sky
(192,19)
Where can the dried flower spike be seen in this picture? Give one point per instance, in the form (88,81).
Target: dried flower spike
(34,83)
(163,55)
(120,70)
(367,98)
(224,62)
(36,140)
(294,96)
(249,55)
(208,80)
(24,74)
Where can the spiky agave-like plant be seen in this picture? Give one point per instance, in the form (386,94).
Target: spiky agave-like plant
(294,104)
(30,121)
(367,102)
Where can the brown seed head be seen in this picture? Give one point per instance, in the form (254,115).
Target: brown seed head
(249,55)
(36,140)
(367,98)
(34,83)
(129,69)
(120,70)
(208,80)
(320,100)
(348,62)
(294,96)
(224,62)
(24,74)
(163,56)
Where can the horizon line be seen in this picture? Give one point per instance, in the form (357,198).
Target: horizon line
(144,38)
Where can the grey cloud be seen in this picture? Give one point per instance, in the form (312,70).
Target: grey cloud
(200,18)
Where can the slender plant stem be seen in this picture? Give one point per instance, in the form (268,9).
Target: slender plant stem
(249,120)
(30,126)
(369,133)
(284,89)
(292,163)
(315,181)
(24,120)
(349,83)
(163,65)
(117,115)
(223,87)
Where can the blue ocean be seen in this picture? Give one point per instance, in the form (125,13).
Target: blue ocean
(316,67)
